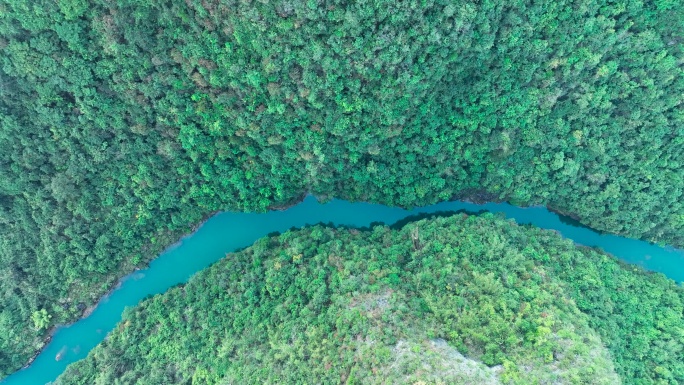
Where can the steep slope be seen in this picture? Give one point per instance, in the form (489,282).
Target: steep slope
(124,123)
(455,300)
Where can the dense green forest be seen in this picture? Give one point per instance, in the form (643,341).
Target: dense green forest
(124,123)
(455,300)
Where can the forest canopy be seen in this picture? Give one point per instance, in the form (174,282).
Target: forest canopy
(124,123)
(456,300)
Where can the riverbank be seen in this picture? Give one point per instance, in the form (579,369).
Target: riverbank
(305,206)
(225,232)
(478,276)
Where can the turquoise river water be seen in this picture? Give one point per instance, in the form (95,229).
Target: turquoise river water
(229,231)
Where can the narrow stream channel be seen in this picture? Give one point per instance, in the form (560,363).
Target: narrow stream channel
(228,231)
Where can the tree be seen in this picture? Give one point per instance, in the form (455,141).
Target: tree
(41,319)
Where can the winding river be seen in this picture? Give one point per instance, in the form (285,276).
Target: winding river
(229,231)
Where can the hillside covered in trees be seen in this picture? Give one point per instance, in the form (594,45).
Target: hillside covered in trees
(124,123)
(456,300)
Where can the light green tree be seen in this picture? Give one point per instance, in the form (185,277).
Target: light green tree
(41,319)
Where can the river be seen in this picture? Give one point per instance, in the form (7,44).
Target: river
(226,232)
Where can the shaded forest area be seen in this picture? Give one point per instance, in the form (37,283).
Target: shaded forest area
(124,123)
(456,300)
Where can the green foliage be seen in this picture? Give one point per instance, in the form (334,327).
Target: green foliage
(41,319)
(457,300)
(123,121)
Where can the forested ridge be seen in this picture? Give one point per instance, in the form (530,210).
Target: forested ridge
(125,123)
(455,300)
